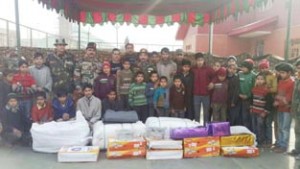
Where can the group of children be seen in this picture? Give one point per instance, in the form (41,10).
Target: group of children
(163,88)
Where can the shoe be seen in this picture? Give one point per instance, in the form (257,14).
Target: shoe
(266,145)
(294,153)
(280,150)
(274,148)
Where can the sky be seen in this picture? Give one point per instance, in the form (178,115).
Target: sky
(33,14)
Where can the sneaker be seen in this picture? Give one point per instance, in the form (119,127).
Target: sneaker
(280,150)
(294,153)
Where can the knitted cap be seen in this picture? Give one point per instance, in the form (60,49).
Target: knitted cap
(264,64)
(247,64)
(286,67)
(231,57)
(222,72)
(12,96)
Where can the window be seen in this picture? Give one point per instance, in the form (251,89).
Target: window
(259,49)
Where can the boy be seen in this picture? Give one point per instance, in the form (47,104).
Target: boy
(137,98)
(219,96)
(14,122)
(233,95)
(247,80)
(89,105)
(295,110)
(144,65)
(271,82)
(161,98)
(150,90)
(177,98)
(187,78)
(23,84)
(77,93)
(105,82)
(124,79)
(5,88)
(41,73)
(216,66)
(112,102)
(42,111)
(283,103)
(231,60)
(203,76)
(63,107)
(166,67)
(115,63)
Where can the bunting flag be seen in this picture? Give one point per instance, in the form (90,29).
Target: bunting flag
(73,12)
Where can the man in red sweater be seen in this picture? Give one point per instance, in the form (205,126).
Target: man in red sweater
(283,103)
(203,76)
(42,111)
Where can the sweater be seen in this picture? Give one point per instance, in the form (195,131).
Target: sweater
(272,82)
(22,85)
(103,84)
(220,92)
(90,108)
(247,81)
(42,114)
(295,108)
(167,68)
(202,78)
(177,98)
(11,120)
(261,101)
(161,98)
(42,77)
(137,96)
(150,90)
(124,79)
(285,92)
(59,109)
(188,82)
(233,89)
(115,67)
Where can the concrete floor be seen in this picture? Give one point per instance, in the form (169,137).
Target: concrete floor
(21,157)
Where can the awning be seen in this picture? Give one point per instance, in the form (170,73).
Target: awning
(257,28)
(150,12)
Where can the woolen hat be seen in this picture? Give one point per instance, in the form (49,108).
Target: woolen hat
(91,45)
(264,64)
(247,64)
(222,72)
(61,41)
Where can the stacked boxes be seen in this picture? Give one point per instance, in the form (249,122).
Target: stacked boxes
(201,147)
(126,148)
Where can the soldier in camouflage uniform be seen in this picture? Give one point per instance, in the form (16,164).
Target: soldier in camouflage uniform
(11,62)
(61,66)
(144,64)
(88,69)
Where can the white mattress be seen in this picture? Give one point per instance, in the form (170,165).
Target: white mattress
(164,154)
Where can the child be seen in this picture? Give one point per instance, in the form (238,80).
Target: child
(144,65)
(272,83)
(219,96)
(89,105)
(166,67)
(150,89)
(105,82)
(233,95)
(14,122)
(161,98)
(247,80)
(177,98)
(115,63)
(112,102)
(41,73)
(260,108)
(216,66)
(295,110)
(63,107)
(23,84)
(77,93)
(203,76)
(231,60)
(124,79)
(187,78)
(42,111)
(137,97)
(5,88)
(283,102)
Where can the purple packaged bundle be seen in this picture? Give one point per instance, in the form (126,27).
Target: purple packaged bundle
(181,133)
(218,128)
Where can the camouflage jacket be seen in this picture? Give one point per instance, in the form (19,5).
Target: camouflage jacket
(86,71)
(61,69)
(295,107)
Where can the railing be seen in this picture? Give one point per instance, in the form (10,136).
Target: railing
(31,37)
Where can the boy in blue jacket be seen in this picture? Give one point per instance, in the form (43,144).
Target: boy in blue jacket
(63,107)
(161,98)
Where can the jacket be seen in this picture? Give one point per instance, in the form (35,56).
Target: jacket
(246,83)
(161,98)
(137,94)
(59,110)
(91,108)
(11,120)
(103,84)
(177,98)
(202,78)
(43,114)
(233,89)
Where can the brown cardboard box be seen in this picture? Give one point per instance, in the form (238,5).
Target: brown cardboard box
(245,151)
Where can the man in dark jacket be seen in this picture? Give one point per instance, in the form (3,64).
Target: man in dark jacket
(233,94)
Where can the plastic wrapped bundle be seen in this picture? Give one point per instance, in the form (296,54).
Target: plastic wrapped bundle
(181,133)
(218,128)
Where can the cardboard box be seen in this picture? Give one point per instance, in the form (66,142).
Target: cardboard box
(121,145)
(78,154)
(126,153)
(165,144)
(201,142)
(195,152)
(245,151)
(164,154)
(237,140)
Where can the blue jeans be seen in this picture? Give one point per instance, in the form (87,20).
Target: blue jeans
(26,105)
(205,100)
(284,125)
(259,128)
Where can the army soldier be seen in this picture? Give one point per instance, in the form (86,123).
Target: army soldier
(61,64)
(11,62)
(87,70)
